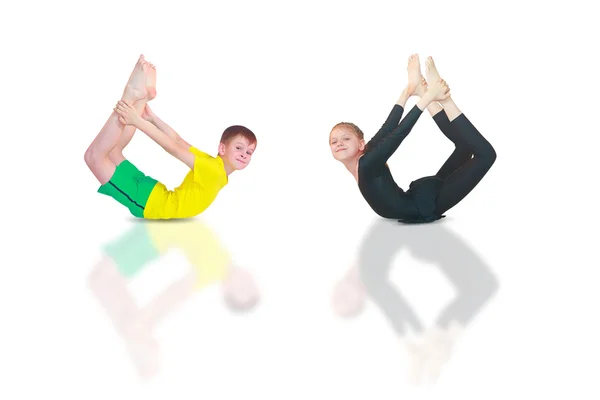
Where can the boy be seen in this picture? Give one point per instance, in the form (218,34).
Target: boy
(144,196)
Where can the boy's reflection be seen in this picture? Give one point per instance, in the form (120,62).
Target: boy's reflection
(146,242)
(473,280)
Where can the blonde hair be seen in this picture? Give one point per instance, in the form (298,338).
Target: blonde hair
(355,129)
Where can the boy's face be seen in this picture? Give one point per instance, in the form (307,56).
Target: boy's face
(237,153)
(344,143)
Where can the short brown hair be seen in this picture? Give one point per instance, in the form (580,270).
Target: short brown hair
(352,127)
(238,130)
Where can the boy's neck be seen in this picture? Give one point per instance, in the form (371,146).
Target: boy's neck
(228,169)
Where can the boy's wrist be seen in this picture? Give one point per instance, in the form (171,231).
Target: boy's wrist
(138,122)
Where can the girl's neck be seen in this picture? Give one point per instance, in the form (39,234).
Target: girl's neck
(352,166)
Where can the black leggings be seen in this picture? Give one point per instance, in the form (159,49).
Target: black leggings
(467,165)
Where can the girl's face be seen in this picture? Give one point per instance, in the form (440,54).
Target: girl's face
(344,143)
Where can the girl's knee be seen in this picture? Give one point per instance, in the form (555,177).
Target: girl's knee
(492,155)
(488,153)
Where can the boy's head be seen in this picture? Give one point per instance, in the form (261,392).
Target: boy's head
(346,141)
(236,147)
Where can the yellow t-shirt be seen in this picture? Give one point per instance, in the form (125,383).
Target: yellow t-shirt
(198,243)
(195,194)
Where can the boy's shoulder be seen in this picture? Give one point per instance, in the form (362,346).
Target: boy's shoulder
(199,152)
(205,157)
(209,165)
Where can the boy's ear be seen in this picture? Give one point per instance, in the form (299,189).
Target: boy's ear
(221,149)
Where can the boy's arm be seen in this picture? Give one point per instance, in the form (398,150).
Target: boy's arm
(171,146)
(129,116)
(163,126)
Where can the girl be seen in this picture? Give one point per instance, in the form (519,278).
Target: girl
(427,198)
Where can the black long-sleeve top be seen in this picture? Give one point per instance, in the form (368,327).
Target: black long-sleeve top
(375,179)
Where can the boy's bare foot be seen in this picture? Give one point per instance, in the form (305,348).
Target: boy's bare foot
(416,83)
(135,89)
(151,81)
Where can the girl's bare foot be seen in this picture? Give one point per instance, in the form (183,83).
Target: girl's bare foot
(431,70)
(439,91)
(416,83)
(433,75)
(436,91)
(422,88)
(135,89)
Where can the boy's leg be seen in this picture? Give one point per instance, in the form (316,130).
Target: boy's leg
(116,154)
(96,156)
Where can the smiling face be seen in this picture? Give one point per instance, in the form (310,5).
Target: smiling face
(237,153)
(346,142)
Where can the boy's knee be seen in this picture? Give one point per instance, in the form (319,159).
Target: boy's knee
(89,157)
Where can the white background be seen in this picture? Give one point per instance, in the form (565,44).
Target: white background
(524,72)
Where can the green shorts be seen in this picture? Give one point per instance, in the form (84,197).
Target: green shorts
(132,251)
(130,187)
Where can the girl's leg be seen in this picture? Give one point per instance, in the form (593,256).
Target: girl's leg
(461,181)
(461,154)
(472,158)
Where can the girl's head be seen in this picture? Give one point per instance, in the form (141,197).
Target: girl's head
(346,141)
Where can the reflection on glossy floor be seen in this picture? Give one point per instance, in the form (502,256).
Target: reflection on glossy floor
(181,310)
(204,264)
(428,347)
(145,243)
